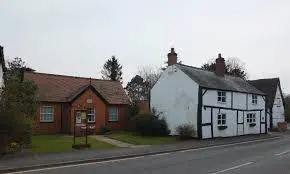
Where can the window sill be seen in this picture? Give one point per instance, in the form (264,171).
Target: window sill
(252,124)
(222,127)
(113,120)
(46,121)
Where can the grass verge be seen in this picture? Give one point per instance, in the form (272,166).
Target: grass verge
(134,138)
(61,143)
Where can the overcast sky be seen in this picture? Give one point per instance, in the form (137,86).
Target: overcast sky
(75,37)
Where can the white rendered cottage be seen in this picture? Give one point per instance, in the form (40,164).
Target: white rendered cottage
(217,105)
(274,102)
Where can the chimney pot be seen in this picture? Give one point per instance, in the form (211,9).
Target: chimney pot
(172,57)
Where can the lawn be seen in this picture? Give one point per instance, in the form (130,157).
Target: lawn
(133,138)
(60,143)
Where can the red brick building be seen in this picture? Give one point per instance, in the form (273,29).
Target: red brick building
(64,98)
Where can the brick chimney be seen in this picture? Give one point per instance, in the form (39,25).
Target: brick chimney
(172,57)
(220,67)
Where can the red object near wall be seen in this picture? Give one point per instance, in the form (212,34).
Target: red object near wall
(282,126)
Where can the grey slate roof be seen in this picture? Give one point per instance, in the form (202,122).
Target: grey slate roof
(269,87)
(209,79)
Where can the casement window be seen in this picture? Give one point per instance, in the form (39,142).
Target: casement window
(113,113)
(222,119)
(221,96)
(251,118)
(90,115)
(254,99)
(46,114)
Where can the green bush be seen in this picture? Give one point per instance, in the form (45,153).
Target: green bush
(18,103)
(149,124)
(185,131)
(104,129)
(131,111)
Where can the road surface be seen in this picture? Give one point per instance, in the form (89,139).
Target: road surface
(271,157)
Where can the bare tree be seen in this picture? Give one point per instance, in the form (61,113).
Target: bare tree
(150,75)
(140,85)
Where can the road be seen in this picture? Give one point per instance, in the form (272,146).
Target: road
(271,157)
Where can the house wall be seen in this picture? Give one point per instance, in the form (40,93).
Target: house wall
(117,125)
(236,107)
(97,103)
(278,108)
(64,113)
(175,95)
(48,127)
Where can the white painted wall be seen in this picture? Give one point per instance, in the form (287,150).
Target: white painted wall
(231,123)
(278,108)
(255,129)
(259,105)
(210,98)
(241,101)
(175,95)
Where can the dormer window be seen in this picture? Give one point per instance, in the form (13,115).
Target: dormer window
(221,96)
(254,99)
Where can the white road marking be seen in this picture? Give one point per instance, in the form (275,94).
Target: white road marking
(282,153)
(232,168)
(227,145)
(103,162)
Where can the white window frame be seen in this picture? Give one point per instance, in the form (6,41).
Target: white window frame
(254,99)
(221,95)
(44,114)
(91,114)
(114,117)
(222,119)
(251,118)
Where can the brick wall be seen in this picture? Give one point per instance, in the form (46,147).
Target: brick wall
(143,106)
(96,102)
(80,103)
(49,127)
(117,125)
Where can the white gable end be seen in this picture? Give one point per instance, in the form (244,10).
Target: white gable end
(175,95)
(278,108)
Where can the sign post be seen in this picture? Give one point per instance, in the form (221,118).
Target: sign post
(80,129)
